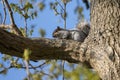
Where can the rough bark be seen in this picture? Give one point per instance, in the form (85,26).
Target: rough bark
(101,49)
(104,38)
(42,48)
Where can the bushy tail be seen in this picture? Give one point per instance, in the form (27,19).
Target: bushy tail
(82,24)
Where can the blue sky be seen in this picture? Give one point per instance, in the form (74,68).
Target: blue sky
(47,21)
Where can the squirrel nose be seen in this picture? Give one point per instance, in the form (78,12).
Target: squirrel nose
(53,35)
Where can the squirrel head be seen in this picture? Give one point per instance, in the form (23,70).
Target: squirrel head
(55,32)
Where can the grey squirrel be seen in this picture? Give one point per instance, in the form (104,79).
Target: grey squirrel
(79,33)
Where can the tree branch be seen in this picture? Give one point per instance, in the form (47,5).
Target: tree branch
(5,26)
(42,48)
(4,12)
(14,27)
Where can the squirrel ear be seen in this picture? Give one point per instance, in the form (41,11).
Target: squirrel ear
(58,26)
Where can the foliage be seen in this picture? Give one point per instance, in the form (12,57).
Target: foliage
(42,32)
(27,53)
(41,6)
(79,11)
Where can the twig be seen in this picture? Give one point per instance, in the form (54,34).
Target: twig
(63,63)
(65,15)
(39,66)
(32,67)
(3,71)
(0,18)
(10,12)
(4,12)
(27,69)
(47,74)
(25,61)
(60,4)
(15,28)
(25,21)
(86,3)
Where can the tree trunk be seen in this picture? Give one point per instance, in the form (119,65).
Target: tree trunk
(101,49)
(104,38)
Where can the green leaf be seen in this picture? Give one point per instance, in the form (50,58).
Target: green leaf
(16,8)
(36,76)
(26,16)
(42,32)
(34,14)
(41,6)
(19,65)
(27,53)
(6,57)
(28,6)
(64,15)
(23,31)
(31,31)
(79,11)
(1,65)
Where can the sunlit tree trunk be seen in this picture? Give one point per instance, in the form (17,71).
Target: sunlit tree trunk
(104,38)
